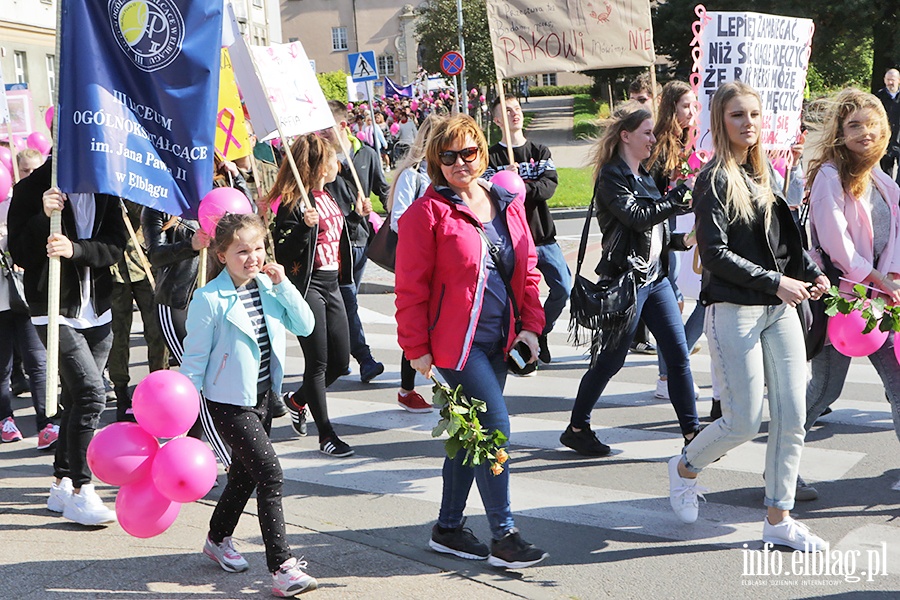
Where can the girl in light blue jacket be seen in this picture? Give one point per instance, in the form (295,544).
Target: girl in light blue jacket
(234,354)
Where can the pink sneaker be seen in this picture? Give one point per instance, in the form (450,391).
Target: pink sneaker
(8,431)
(413,402)
(48,436)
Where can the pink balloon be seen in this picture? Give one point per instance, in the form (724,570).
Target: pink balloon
(897,346)
(846,335)
(184,470)
(38,141)
(6,183)
(695,161)
(166,403)
(143,511)
(349,106)
(510,181)
(19,143)
(121,453)
(414,105)
(395,129)
(217,203)
(276,204)
(48,117)
(6,158)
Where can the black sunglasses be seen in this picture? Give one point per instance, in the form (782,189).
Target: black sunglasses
(448,157)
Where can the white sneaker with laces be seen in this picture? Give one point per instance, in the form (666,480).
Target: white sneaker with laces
(684,493)
(225,555)
(8,431)
(86,508)
(290,580)
(662,390)
(792,534)
(59,495)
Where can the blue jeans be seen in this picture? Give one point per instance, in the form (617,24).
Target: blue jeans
(16,331)
(483,377)
(829,371)
(657,306)
(693,329)
(751,346)
(82,357)
(552,265)
(359,349)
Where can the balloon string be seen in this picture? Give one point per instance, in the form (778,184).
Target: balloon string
(875,289)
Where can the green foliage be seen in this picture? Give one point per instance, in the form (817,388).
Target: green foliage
(437,32)
(559,90)
(576,186)
(876,311)
(587,113)
(334,85)
(459,420)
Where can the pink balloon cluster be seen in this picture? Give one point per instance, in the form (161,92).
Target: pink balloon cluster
(155,480)
(217,203)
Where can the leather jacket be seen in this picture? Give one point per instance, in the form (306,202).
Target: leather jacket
(627,209)
(175,262)
(739,263)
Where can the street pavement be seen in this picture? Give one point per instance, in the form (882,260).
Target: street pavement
(363,522)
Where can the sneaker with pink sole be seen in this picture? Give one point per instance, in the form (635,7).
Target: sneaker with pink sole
(48,436)
(290,579)
(8,431)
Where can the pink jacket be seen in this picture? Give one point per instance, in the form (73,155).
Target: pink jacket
(843,229)
(441,276)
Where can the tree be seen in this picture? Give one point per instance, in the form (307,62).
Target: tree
(436,30)
(334,85)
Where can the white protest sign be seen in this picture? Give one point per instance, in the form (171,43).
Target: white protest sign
(530,37)
(769,53)
(293,90)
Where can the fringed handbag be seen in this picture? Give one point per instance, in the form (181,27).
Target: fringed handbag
(606,308)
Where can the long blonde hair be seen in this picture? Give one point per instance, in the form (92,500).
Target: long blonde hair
(416,153)
(743,191)
(627,117)
(853,169)
(670,136)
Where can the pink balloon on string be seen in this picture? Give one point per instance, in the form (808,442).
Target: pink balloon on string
(166,403)
(48,117)
(19,143)
(349,106)
(847,337)
(121,453)
(143,511)
(38,141)
(184,470)
(395,129)
(219,202)
(6,158)
(511,181)
(6,183)
(414,105)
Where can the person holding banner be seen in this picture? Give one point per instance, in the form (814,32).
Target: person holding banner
(312,241)
(755,274)
(633,217)
(453,304)
(855,222)
(93,239)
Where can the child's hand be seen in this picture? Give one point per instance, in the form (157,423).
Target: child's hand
(311,216)
(274,271)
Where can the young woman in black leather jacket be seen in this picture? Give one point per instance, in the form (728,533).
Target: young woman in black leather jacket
(632,215)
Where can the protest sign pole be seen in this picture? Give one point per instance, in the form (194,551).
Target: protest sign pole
(51,404)
(137,245)
(501,94)
(653,85)
(13,150)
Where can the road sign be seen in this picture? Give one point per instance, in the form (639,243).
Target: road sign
(363,66)
(452,63)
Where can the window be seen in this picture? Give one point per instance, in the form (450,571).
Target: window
(338,38)
(386,64)
(258,3)
(51,75)
(548,79)
(21,67)
(259,35)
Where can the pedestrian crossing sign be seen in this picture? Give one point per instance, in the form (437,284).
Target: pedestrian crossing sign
(362,66)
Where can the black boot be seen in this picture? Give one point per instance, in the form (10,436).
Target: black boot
(123,404)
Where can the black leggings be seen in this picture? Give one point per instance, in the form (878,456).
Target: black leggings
(255,466)
(326,350)
(407,374)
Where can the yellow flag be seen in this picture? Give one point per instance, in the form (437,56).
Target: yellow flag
(231,131)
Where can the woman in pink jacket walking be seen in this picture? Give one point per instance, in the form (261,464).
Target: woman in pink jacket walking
(855,221)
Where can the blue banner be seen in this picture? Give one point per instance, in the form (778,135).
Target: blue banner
(138,94)
(391,89)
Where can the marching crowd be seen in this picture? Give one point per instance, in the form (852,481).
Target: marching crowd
(470,254)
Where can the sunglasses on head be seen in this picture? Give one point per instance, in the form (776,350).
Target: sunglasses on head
(448,157)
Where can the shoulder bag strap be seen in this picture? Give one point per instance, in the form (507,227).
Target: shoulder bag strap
(494,251)
(582,246)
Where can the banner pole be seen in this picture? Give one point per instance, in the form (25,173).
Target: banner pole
(13,150)
(342,140)
(504,121)
(653,90)
(134,240)
(51,403)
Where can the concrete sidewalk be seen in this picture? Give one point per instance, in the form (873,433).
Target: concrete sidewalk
(552,126)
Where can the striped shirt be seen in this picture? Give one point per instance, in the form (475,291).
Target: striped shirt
(249,296)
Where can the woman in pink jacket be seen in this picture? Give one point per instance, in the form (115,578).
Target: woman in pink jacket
(855,221)
(454,313)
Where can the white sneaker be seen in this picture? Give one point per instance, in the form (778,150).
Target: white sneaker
(684,493)
(86,508)
(662,390)
(228,558)
(290,580)
(792,534)
(59,495)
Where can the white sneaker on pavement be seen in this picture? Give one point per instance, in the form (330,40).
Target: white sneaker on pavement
(86,508)
(225,555)
(290,580)
(792,534)
(59,495)
(683,493)
(662,390)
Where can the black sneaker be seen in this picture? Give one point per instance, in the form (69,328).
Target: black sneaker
(369,369)
(716,411)
(544,350)
(643,348)
(334,446)
(512,552)
(584,442)
(297,412)
(459,542)
(278,408)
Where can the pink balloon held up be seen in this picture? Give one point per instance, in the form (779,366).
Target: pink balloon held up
(217,203)
(166,403)
(511,181)
(121,453)
(184,470)
(48,117)
(143,511)
(6,158)
(38,141)
(6,183)
(847,337)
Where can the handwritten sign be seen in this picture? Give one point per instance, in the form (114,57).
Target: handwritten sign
(769,53)
(232,140)
(531,37)
(4,109)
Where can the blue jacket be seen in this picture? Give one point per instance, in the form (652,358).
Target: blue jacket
(221,355)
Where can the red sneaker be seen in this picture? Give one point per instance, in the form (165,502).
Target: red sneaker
(414,402)
(48,436)
(8,431)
